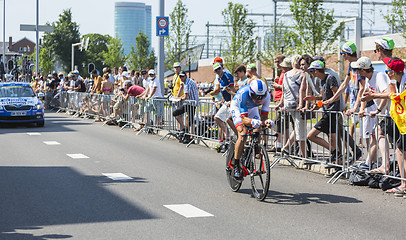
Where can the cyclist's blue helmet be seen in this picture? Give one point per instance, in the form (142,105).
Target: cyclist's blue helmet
(258,89)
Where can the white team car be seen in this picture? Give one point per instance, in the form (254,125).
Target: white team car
(20,104)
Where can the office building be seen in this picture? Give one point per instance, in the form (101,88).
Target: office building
(129,19)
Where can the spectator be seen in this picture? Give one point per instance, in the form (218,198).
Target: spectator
(190,93)
(285,65)
(241,74)
(96,88)
(176,91)
(377,82)
(395,70)
(225,85)
(328,123)
(290,101)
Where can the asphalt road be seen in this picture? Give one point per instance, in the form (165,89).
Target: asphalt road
(46,194)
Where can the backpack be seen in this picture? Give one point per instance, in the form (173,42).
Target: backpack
(388,183)
(359,178)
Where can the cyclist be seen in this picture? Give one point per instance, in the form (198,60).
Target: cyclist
(245,113)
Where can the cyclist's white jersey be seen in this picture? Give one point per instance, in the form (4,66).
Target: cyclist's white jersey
(243,106)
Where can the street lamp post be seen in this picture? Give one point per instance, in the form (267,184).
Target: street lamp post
(4,35)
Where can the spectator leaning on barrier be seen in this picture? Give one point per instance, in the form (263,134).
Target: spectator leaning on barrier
(285,66)
(121,97)
(96,88)
(328,123)
(190,93)
(290,101)
(176,91)
(395,71)
(145,80)
(225,85)
(378,82)
(154,91)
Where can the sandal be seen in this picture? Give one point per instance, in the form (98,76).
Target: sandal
(400,193)
(394,190)
(376,171)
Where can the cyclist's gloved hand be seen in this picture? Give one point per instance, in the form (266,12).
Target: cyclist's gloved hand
(255,123)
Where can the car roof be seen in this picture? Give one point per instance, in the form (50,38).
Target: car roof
(2,84)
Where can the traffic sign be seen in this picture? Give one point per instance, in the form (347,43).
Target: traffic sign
(162,26)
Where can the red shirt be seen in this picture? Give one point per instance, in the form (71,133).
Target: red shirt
(135,90)
(277,94)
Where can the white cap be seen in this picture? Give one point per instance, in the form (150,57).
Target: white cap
(152,71)
(125,74)
(75,72)
(362,63)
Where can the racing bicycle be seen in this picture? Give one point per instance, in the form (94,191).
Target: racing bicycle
(255,164)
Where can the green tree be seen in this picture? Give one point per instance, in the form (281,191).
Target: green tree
(396,17)
(314,32)
(179,34)
(276,42)
(114,56)
(142,57)
(59,43)
(98,44)
(240,46)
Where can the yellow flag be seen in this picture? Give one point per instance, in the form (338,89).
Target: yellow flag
(398,111)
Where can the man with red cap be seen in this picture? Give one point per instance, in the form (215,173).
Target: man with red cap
(395,70)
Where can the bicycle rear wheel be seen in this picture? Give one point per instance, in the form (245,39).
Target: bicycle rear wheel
(259,172)
(234,184)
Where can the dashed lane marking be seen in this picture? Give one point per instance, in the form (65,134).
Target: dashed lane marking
(33,133)
(117,176)
(51,143)
(188,211)
(77,155)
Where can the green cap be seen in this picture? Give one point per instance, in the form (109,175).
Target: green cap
(251,66)
(176,64)
(386,43)
(316,65)
(216,66)
(349,47)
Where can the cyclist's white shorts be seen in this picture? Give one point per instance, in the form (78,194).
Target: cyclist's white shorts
(236,115)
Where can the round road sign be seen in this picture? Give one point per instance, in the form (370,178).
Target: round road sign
(162,23)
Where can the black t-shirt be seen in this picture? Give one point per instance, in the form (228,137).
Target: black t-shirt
(326,84)
(54,84)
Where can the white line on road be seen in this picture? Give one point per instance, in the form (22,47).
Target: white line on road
(51,143)
(77,155)
(117,176)
(188,210)
(33,133)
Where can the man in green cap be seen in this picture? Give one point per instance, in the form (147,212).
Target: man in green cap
(384,47)
(353,85)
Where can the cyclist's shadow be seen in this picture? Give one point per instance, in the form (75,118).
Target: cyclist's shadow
(275,197)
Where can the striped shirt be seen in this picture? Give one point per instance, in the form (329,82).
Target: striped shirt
(190,87)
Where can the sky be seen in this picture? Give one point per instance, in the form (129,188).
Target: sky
(97,16)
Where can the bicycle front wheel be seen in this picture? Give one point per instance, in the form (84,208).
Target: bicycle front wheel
(259,172)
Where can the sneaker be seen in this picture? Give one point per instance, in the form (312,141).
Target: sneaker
(237,173)
(334,158)
(273,149)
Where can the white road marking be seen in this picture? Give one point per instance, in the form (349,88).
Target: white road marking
(188,210)
(77,155)
(51,143)
(117,176)
(33,133)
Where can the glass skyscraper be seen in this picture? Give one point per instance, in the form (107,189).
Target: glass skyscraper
(129,19)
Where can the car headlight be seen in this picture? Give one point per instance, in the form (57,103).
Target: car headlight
(39,107)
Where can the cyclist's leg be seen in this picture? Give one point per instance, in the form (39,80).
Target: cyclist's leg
(239,145)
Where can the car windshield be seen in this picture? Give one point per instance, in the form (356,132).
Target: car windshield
(16,91)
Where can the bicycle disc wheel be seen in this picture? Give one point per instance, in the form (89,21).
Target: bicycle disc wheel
(234,184)
(260,172)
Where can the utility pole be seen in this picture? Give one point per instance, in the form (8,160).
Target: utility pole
(161,65)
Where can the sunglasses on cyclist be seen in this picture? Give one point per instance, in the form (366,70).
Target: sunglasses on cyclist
(257,97)
(389,70)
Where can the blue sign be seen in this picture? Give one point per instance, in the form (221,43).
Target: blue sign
(162,26)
